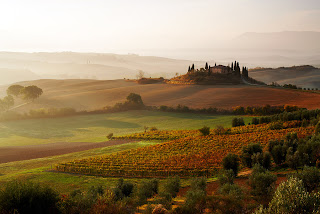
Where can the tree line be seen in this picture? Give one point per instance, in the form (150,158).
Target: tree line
(235,67)
(17,91)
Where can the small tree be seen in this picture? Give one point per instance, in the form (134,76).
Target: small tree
(27,197)
(255,121)
(134,98)
(231,161)
(237,122)
(261,181)
(205,130)
(110,136)
(226,177)
(140,74)
(247,153)
(172,186)
(31,92)
(310,177)
(14,90)
(292,197)
(6,103)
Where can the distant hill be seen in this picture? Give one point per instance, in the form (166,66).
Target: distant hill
(96,94)
(287,40)
(71,65)
(15,75)
(303,76)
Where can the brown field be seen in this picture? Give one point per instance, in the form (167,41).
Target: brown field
(9,154)
(95,94)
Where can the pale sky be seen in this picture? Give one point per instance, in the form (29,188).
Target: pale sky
(125,25)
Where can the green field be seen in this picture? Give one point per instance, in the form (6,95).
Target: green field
(94,128)
(88,128)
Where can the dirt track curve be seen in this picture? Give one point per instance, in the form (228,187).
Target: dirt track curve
(19,153)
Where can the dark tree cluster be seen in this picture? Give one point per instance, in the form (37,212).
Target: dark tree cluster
(245,72)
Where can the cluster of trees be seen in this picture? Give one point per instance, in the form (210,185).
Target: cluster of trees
(133,102)
(239,110)
(264,110)
(303,115)
(292,86)
(27,93)
(235,67)
(296,195)
(6,103)
(125,197)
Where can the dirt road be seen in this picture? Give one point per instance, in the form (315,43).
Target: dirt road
(19,153)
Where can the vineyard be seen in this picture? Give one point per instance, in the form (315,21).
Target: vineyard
(187,153)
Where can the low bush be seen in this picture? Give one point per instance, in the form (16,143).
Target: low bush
(231,161)
(205,130)
(261,181)
(237,122)
(310,176)
(172,186)
(26,197)
(231,190)
(226,177)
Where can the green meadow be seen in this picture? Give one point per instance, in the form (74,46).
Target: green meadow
(94,128)
(87,128)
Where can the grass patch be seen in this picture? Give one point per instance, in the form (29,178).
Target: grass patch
(94,128)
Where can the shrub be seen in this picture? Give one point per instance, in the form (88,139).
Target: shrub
(172,186)
(262,182)
(195,202)
(237,122)
(276,126)
(123,189)
(231,161)
(147,189)
(291,197)
(231,190)
(199,184)
(219,130)
(110,136)
(153,128)
(226,204)
(205,130)
(247,153)
(317,128)
(196,197)
(26,197)
(226,177)
(134,98)
(263,159)
(310,177)
(255,121)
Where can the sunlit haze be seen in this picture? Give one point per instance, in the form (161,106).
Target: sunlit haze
(125,26)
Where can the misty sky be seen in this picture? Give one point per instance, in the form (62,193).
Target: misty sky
(125,25)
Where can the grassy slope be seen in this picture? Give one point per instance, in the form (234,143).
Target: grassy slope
(94,94)
(38,170)
(94,128)
(87,128)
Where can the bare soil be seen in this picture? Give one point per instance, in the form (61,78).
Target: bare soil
(19,153)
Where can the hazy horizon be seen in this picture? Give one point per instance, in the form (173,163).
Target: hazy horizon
(145,26)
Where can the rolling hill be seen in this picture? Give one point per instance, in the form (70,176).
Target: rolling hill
(303,76)
(96,94)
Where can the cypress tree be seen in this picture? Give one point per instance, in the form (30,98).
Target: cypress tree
(192,67)
(215,64)
(189,68)
(232,66)
(206,66)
